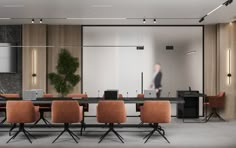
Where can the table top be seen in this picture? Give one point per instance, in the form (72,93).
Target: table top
(94,100)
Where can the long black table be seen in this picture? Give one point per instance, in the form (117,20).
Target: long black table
(94,100)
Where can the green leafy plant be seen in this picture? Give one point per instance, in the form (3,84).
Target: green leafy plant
(65,79)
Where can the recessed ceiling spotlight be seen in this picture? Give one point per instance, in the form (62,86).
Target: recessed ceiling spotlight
(154,21)
(41,21)
(144,21)
(32,21)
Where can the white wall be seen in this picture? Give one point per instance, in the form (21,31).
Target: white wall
(120,67)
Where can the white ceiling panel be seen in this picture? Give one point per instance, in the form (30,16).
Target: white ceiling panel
(170,11)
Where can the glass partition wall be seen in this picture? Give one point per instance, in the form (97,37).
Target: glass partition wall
(123,58)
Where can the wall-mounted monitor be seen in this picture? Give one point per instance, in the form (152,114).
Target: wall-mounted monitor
(8,58)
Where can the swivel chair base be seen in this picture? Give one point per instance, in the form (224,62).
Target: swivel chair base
(214,113)
(66,129)
(111,129)
(3,120)
(157,128)
(26,133)
(47,123)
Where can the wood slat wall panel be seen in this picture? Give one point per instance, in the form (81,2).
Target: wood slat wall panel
(210,71)
(227,40)
(60,36)
(34,35)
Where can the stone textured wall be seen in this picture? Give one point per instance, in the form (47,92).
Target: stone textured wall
(12,82)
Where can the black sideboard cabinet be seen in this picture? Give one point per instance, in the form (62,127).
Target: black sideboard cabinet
(190,109)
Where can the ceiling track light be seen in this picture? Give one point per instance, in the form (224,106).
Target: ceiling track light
(154,21)
(41,21)
(144,21)
(32,21)
(225,3)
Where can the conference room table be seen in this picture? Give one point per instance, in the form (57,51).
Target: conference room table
(94,100)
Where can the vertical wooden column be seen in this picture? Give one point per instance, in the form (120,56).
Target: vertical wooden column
(34,57)
(210,66)
(218,40)
(226,35)
(63,36)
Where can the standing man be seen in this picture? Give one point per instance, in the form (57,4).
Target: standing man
(156,83)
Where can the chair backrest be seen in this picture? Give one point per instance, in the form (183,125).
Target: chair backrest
(120,96)
(140,96)
(11,95)
(156,112)
(48,95)
(217,101)
(20,112)
(221,94)
(111,111)
(65,112)
(78,95)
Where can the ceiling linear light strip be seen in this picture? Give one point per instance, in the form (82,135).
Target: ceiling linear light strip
(101,6)
(74,18)
(5,18)
(29,46)
(78,46)
(92,18)
(13,6)
(162,18)
(225,3)
(112,46)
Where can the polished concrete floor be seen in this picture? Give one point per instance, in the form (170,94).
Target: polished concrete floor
(213,134)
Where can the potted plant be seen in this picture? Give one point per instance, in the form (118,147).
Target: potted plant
(65,79)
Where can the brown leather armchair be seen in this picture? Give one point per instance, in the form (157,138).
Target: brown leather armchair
(215,103)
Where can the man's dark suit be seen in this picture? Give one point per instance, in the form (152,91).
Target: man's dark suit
(157,83)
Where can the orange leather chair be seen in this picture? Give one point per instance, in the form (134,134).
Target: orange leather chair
(8,97)
(156,112)
(66,112)
(85,107)
(42,110)
(120,96)
(48,95)
(21,112)
(215,103)
(82,96)
(111,112)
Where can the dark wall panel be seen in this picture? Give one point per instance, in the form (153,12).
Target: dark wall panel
(12,82)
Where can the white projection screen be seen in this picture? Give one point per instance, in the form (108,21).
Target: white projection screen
(111,60)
